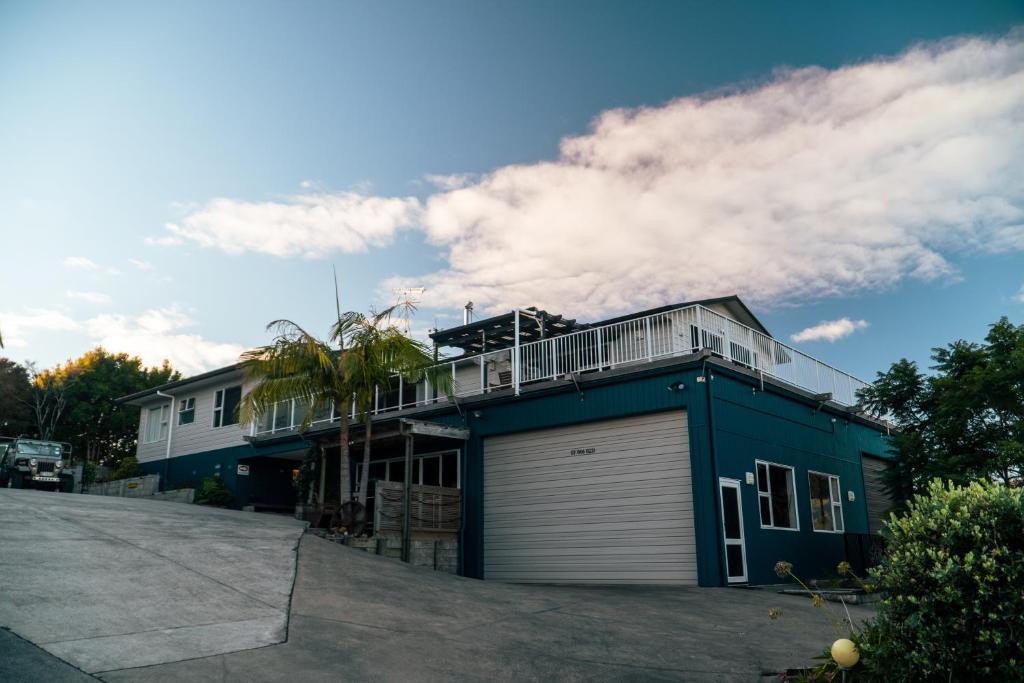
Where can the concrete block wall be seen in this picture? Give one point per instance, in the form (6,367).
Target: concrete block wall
(440,554)
(133,487)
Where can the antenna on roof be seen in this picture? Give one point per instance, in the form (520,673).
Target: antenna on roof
(407,298)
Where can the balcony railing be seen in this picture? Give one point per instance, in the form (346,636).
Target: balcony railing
(632,342)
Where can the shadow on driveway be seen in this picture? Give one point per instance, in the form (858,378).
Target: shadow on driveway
(361,617)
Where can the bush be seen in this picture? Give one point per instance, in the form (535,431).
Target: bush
(128,467)
(213,491)
(89,472)
(954,577)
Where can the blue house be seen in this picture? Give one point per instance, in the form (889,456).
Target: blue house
(682,445)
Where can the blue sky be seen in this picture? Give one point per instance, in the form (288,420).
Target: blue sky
(473,148)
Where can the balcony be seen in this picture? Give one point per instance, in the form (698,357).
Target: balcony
(632,342)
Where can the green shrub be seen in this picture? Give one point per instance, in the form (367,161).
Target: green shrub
(213,491)
(128,467)
(89,472)
(953,573)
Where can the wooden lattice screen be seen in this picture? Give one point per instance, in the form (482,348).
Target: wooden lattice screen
(434,508)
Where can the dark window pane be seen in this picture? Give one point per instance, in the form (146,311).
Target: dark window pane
(821,504)
(396,471)
(734,558)
(450,470)
(766,514)
(779,483)
(408,394)
(731,512)
(232,397)
(432,471)
(762,478)
(378,470)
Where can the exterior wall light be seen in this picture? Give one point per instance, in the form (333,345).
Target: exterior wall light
(676,386)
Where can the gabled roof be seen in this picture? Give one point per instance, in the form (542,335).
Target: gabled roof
(731,303)
(140,396)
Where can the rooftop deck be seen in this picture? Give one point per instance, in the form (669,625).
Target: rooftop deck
(681,331)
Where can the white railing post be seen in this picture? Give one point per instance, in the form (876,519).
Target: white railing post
(554,358)
(600,349)
(700,328)
(483,376)
(376,399)
(516,357)
(647,338)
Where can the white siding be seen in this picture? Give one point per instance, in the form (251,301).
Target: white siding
(620,514)
(147,452)
(200,436)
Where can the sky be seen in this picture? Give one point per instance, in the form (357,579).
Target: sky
(173,176)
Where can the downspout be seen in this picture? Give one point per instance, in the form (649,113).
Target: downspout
(719,540)
(170,430)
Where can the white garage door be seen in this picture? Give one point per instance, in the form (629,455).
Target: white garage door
(605,502)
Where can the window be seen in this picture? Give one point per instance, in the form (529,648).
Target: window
(187,411)
(776,496)
(826,503)
(225,406)
(157,422)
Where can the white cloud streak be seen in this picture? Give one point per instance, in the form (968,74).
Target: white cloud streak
(18,326)
(818,183)
(829,330)
(80,262)
(309,225)
(157,334)
(97,298)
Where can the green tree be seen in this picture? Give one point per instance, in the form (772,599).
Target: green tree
(966,420)
(299,365)
(76,402)
(16,415)
(378,352)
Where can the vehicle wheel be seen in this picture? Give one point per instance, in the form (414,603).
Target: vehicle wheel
(16,481)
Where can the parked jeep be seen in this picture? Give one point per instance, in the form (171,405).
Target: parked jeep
(30,463)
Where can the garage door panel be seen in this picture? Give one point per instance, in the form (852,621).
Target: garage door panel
(593,496)
(625,501)
(519,460)
(645,458)
(621,513)
(637,473)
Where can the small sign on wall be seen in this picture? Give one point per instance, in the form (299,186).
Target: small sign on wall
(243,470)
(750,478)
(850,496)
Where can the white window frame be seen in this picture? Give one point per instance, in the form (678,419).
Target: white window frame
(836,505)
(768,494)
(184,406)
(164,422)
(221,393)
(417,467)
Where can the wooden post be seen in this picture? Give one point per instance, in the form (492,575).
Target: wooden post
(323,475)
(407,501)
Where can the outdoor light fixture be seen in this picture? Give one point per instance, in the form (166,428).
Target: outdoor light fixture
(845,654)
(676,386)
(477,414)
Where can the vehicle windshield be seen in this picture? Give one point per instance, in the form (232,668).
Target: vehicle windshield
(52,450)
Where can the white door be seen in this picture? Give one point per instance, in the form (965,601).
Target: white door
(604,502)
(732,530)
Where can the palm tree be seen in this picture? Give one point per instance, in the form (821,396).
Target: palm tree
(378,352)
(299,365)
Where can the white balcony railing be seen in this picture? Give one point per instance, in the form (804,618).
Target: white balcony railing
(640,340)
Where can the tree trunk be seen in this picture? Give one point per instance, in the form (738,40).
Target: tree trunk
(364,476)
(345,481)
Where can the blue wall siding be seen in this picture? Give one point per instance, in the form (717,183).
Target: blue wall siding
(754,425)
(190,470)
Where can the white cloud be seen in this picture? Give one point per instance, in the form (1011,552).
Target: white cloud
(16,326)
(830,330)
(1020,295)
(80,262)
(141,265)
(450,182)
(157,334)
(89,297)
(165,240)
(819,183)
(307,225)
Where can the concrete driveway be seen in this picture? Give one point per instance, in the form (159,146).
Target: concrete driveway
(138,582)
(107,583)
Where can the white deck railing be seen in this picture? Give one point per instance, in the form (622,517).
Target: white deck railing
(632,342)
